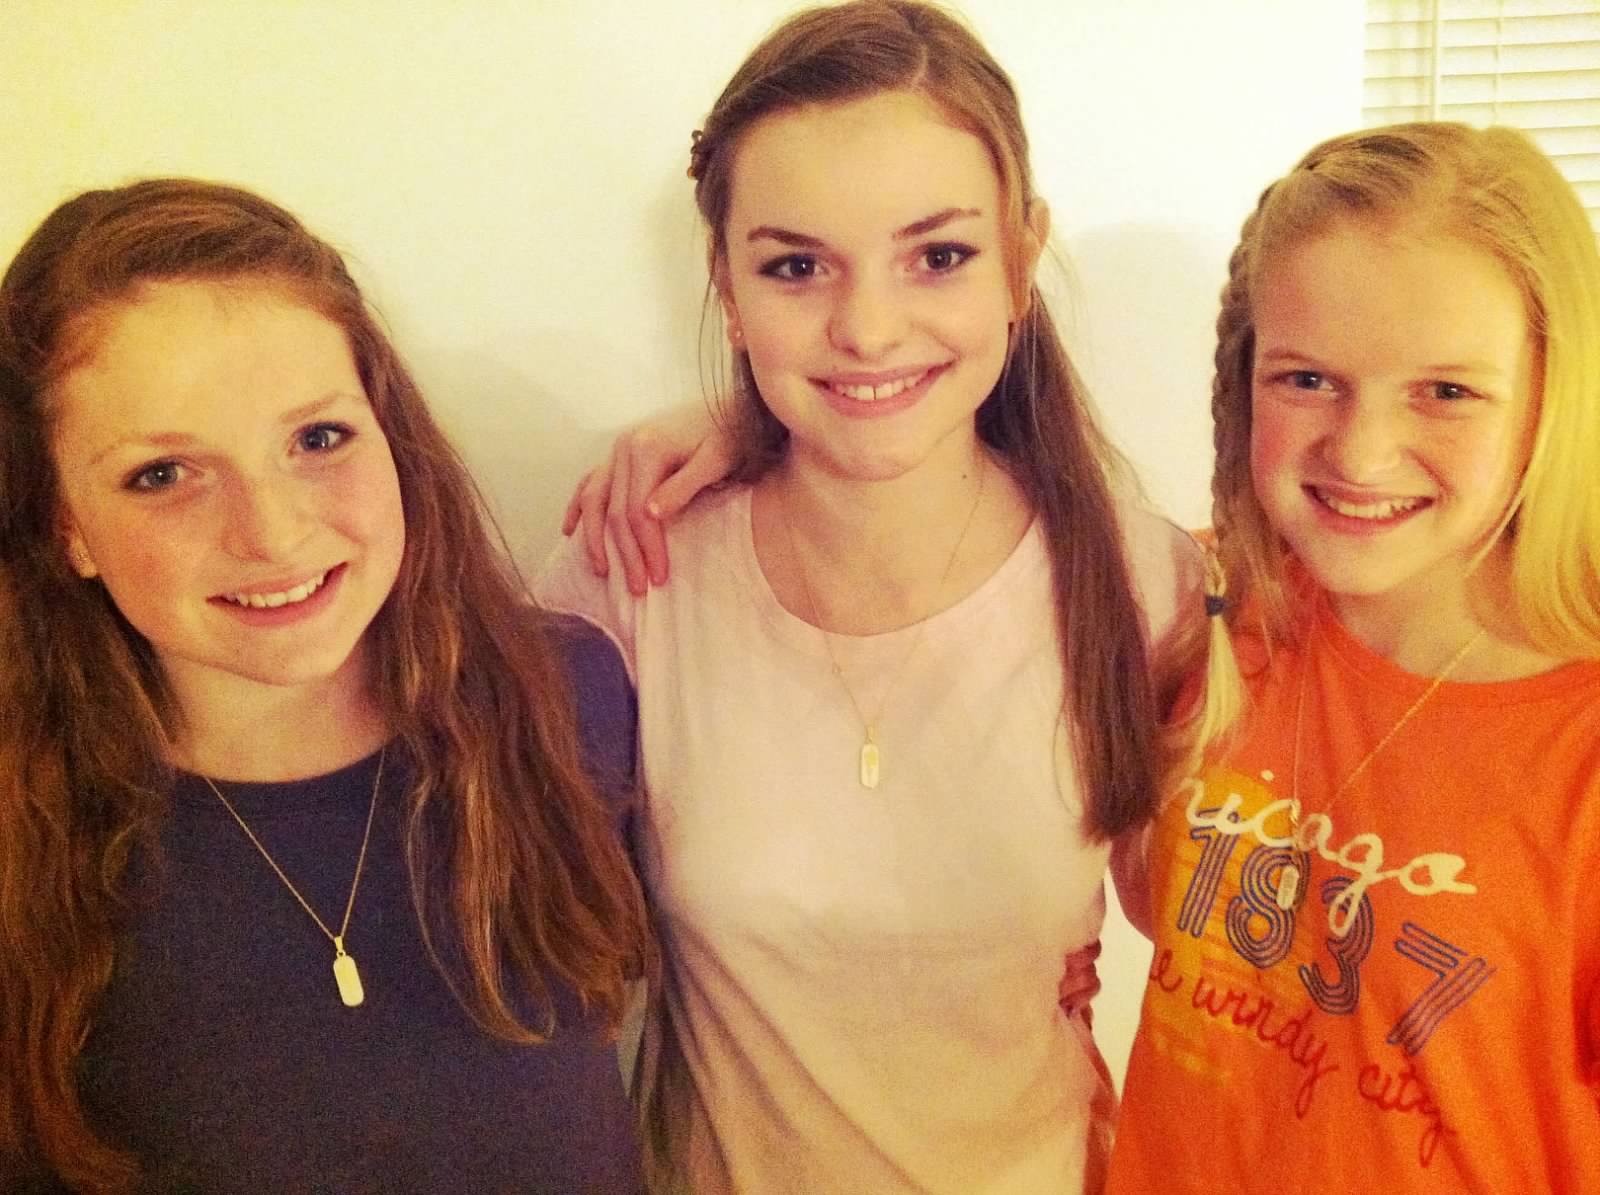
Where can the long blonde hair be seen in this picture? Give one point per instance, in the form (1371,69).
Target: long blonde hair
(1492,189)
(516,865)
(1037,418)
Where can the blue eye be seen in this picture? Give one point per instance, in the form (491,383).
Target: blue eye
(791,268)
(1306,379)
(322,437)
(1450,391)
(159,476)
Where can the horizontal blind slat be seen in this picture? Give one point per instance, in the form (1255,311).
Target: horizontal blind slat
(1531,64)
(1459,10)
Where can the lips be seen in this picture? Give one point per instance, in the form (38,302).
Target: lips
(1373,510)
(273,599)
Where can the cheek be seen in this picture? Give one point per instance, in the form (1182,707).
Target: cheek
(1271,446)
(776,333)
(365,501)
(1483,461)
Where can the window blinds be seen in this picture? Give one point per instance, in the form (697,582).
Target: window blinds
(1533,64)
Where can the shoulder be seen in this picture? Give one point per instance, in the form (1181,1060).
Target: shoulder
(605,706)
(1165,563)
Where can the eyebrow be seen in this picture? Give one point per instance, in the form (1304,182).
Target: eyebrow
(1292,356)
(178,440)
(800,240)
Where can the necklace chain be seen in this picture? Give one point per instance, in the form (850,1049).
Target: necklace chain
(344,968)
(870,755)
(1291,888)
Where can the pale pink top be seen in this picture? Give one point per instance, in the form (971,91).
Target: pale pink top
(859,990)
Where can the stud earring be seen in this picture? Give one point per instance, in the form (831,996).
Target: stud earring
(78,557)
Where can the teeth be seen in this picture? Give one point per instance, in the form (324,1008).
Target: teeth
(1388,508)
(269,601)
(877,393)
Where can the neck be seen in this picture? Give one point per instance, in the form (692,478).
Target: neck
(238,729)
(1421,632)
(877,555)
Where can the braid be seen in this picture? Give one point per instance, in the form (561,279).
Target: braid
(1248,547)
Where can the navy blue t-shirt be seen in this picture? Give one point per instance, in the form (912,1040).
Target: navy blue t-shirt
(223,1056)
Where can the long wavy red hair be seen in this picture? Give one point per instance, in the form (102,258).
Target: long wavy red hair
(517,868)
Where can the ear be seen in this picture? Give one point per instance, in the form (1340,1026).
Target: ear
(1035,236)
(730,310)
(78,552)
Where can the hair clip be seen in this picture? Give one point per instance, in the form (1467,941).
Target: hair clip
(1215,604)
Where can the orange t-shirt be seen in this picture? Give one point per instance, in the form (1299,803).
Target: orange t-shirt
(1428,1019)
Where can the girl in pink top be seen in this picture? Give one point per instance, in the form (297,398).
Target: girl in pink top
(875,819)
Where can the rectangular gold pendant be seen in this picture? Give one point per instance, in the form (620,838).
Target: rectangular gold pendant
(869,764)
(1289,887)
(349,980)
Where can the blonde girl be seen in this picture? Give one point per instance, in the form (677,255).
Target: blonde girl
(894,707)
(1377,930)
(303,884)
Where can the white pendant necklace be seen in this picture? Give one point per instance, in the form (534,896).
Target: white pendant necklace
(1292,885)
(869,759)
(345,974)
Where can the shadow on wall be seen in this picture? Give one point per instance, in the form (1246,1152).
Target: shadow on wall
(519,439)
(523,412)
(1134,286)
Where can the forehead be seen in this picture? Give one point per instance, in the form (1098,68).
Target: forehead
(861,167)
(176,350)
(1405,293)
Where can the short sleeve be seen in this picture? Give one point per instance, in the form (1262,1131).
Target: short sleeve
(1167,567)
(606,706)
(566,585)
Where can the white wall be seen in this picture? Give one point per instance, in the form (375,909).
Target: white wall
(508,178)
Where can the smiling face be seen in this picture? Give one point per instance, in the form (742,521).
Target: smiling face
(865,273)
(1393,409)
(225,477)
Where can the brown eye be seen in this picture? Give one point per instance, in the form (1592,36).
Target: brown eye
(941,259)
(793,267)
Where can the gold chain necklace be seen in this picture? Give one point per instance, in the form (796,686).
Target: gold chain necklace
(870,758)
(344,967)
(1291,885)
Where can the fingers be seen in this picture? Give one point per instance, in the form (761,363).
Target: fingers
(574,511)
(585,514)
(619,523)
(1080,980)
(655,469)
(708,464)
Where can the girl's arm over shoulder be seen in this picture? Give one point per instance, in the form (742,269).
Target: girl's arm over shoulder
(655,468)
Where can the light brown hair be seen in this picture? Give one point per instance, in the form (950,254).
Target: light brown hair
(1037,419)
(516,865)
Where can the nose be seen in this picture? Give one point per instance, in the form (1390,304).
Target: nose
(868,319)
(263,518)
(1366,440)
